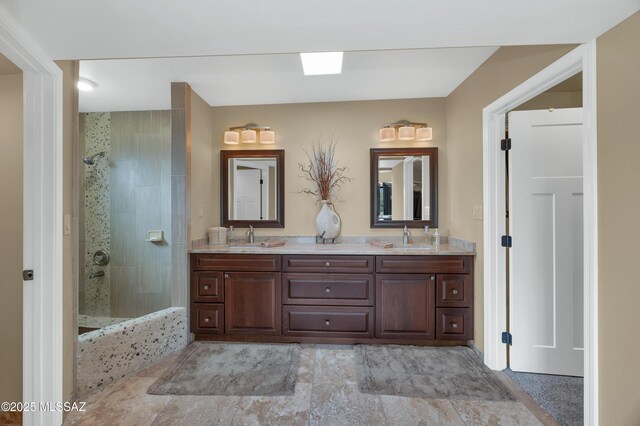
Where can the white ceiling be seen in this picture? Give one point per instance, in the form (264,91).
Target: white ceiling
(143,84)
(90,29)
(115,29)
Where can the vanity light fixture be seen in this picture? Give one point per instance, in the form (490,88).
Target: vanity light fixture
(86,85)
(405,131)
(249,133)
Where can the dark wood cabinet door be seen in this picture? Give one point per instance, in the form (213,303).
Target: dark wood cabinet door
(252,302)
(454,290)
(207,287)
(405,306)
(207,318)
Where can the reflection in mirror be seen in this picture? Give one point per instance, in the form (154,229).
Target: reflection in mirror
(404,187)
(252,183)
(403,184)
(252,188)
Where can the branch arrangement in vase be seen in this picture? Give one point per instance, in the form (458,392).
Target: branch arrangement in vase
(323,173)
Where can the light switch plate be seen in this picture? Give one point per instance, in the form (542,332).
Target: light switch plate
(67,224)
(477,212)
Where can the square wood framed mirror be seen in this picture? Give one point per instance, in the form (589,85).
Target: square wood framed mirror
(252,188)
(404,187)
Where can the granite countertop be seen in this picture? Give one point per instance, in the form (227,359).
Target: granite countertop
(345,245)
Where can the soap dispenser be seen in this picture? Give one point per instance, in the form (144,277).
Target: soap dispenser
(436,237)
(426,234)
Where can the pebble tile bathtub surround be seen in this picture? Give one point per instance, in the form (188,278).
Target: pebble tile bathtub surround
(97,215)
(118,350)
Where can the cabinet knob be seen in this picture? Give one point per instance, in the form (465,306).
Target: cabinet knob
(327,290)
(454,325)
(226,275)
(432,277)
(206,319)
(454,291)
(327,322)
(206,287)
(327,264)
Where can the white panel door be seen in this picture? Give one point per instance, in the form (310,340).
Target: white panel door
(546,225)
(247,194)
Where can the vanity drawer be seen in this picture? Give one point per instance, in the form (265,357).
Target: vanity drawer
(454,324)
(313,263)
(207,287)
(207,318)
(322,321)
(328,289)
(424,264)
(236,262)
(454,290)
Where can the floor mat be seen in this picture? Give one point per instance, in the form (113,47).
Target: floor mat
(427,372)
(207,368)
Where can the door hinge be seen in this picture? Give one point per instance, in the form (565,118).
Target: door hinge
(507,338)
(505,144)
(507,241)
(27,275)
(261,181)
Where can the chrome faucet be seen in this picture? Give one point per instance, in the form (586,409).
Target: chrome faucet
(405,235)
(251,234)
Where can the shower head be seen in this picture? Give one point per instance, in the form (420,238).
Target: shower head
(91,160)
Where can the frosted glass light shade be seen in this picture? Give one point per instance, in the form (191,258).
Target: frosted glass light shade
(406,133)
(387,134)
(248,136)
(424,134)
(231,137)
(267,137)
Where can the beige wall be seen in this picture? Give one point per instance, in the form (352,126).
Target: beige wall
(70,71)
(618,74)
(11,145)
(204,171)
(503,71)
(354,126)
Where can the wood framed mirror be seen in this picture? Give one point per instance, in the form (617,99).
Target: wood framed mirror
(252,188)
(404,187)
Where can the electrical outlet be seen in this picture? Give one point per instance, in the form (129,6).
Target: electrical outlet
(477,212)
(67,224)
(201,212)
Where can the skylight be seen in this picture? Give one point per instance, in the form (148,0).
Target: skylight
(322,63)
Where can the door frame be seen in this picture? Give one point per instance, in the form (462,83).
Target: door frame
(582,58)
(43,218)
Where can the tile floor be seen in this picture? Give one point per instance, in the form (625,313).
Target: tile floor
(326,394)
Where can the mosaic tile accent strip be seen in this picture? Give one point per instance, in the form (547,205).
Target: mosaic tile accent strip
(111,353)
(97,216)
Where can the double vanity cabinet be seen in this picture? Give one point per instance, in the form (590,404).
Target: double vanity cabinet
(332,298)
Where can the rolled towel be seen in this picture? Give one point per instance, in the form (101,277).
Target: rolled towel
(382,244)
(272,243)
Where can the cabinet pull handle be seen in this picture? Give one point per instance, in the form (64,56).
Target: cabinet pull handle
(327,264)
(454,291)
(206,287)
(327,290)
(454,325)
(432,277)
(226,275)
(206,319)
(327,322)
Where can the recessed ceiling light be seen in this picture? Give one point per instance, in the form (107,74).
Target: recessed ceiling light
(321,63)
(86,85)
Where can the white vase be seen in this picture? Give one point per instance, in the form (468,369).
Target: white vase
(328,222)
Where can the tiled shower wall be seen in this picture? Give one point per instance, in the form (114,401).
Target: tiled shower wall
(95,137)
(139,194)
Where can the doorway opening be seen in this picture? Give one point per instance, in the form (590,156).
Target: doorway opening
(536,187)
(543,216)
